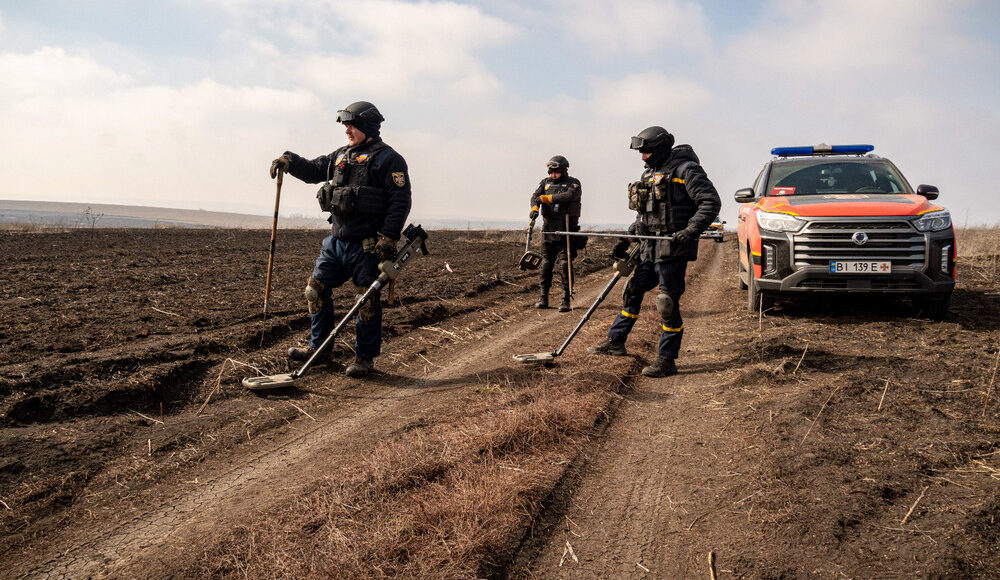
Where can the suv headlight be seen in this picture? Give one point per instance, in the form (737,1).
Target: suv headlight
(778,222)
(934,221)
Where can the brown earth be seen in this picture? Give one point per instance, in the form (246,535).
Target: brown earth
(822,438)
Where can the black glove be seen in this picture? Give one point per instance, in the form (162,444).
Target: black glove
(282,163)
(684,237)
(533,214)
(620,250)
(385,248)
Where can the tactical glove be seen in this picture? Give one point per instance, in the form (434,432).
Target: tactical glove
(684,237)
(533,213)
(282,163)
(545,198)
(620,251)
(385,248)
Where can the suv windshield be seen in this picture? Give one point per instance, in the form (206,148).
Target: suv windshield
(821,176)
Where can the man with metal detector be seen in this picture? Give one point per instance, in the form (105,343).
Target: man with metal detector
(367,193)
(674,197)
(558,198)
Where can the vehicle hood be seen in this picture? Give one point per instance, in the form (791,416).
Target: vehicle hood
(848,204)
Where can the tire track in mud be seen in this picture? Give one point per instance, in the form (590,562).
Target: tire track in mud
(151,541)
(650,476)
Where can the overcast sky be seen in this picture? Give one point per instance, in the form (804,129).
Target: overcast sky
(184,103)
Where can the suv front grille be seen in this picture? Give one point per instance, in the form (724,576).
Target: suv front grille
(824,240)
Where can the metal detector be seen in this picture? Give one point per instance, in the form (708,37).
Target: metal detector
(530,260)
(416,240)
(623,269)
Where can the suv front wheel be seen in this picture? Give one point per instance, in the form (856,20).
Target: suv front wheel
(757,300)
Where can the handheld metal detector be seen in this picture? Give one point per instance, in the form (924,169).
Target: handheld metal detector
(623,269)
(416,240)
(530,260)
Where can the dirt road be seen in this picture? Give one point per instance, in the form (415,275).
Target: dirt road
(838,439)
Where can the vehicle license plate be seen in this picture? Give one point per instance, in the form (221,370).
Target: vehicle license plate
(861,267)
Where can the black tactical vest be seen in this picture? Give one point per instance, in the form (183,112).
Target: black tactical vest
(667,206)
(350,168)
(555,211)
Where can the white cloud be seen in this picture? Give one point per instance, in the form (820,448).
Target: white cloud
(849,40)
(402,49)
(49,70)
(634,26)
(84,134)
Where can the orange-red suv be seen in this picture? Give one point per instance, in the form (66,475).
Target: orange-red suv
(840,219)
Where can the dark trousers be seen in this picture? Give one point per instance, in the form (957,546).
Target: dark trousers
(338,262)
(554,255)
(669,276)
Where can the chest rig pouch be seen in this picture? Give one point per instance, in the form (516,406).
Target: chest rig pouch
(638,195)
(340,195)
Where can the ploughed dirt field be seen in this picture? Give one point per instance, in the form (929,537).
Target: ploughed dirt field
(822,438)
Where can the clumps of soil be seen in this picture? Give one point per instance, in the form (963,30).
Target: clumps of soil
(873,435)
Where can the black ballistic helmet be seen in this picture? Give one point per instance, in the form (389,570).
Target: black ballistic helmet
(652,139)
(557,163)
(362,115)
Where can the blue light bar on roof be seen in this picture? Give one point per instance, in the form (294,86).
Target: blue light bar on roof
(822,150)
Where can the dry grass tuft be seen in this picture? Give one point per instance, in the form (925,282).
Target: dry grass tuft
(449,500)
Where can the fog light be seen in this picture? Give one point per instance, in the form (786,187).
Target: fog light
(945,257)
(769,266)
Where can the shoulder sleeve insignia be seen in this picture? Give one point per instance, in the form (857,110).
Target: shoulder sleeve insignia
(340,159)
(399,178)
(361,158)
(657,178)
(547,185)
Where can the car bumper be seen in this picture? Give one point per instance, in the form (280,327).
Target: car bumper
(926,276)
(821,280)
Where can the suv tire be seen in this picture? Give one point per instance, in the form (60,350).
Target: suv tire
(756,300)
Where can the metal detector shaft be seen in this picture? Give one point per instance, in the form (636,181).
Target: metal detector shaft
(586,316)
(631,236)
(376,285)
(417,239)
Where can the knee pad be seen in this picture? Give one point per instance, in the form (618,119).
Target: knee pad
(665,306)
(368,309)
(314,295)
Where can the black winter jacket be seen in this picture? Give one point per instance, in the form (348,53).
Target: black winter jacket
(566,193)
(385,170)
(681,198)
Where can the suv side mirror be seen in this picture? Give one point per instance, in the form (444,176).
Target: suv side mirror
(928,191)
(745,195)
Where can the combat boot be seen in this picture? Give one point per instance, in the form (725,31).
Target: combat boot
(361,367)
(609,347)
(661,367)
(564,306)
(543,301)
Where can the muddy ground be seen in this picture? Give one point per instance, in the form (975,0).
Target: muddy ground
(822,438)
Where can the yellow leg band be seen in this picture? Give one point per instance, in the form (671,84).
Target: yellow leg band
(629,315)
(667,329)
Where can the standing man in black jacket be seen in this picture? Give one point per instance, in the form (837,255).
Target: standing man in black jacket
(367,193)
(675,198)
(558,196)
